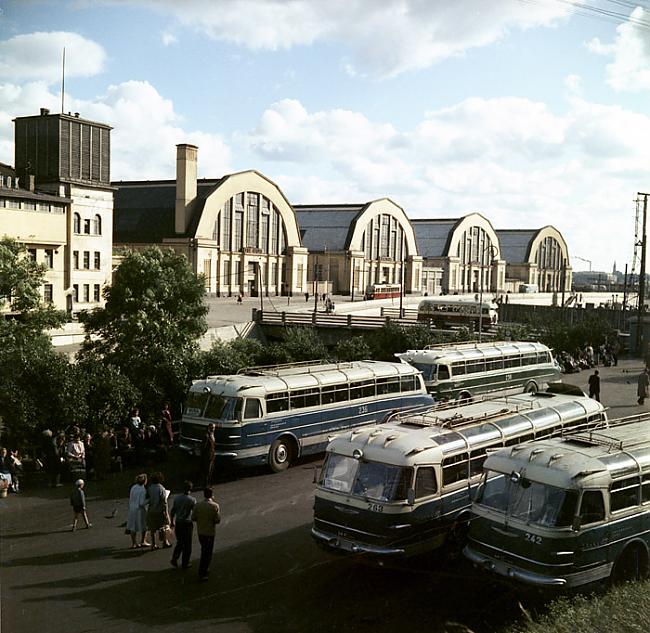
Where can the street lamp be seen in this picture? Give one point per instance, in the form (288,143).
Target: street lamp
(493,253)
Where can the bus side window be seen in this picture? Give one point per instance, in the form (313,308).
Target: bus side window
(443,372)
(425,482)
(239,404)
(518,440)
(458,369)
(592,508)
(252,409)
(454,468)
(276,402)
(409,383)
(476,462)
(624,494)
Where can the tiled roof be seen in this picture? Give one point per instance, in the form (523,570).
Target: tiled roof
(327,227)
(432,236)
(515,244)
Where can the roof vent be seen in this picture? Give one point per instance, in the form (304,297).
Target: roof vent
(45,111)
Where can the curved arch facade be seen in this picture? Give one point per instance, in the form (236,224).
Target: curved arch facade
(548,258)
(249,239)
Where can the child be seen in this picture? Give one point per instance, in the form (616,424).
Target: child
(78,503)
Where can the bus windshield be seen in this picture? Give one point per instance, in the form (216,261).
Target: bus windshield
(371,480)
(220,407)
(529,501)
(195,403)
(428,371)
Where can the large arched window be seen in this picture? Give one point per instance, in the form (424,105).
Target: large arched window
(97,225)
(383,238)
(76,224)
(253,214)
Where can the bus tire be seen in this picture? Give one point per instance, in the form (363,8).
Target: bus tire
(281,454)
(464,397)
(531,387)
(632,564)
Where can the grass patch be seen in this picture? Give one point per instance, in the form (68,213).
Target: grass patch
(623,609)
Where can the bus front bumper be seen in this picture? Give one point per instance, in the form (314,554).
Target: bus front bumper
(504,569)
(194,448)
(344,545)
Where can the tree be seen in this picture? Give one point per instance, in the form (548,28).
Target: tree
(150,325)
(228,357)
(35,385)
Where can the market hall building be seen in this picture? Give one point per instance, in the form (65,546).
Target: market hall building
(239,231)
(353,247)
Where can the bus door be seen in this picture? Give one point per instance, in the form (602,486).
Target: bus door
(593,531)
(427,508)
(455,486)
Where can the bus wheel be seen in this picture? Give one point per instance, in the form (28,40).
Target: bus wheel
(632,564)
(531,387)
(280,454)
(464,397)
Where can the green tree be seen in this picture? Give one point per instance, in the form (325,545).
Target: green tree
(228,357)
(353,348)
(150,326)
(36,389)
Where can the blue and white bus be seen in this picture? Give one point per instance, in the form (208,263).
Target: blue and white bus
(404,487)
(273,415)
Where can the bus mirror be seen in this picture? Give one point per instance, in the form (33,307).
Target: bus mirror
(575,525)
(410,496)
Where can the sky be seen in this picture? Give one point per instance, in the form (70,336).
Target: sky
(530,112)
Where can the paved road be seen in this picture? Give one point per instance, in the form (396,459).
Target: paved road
(267,574)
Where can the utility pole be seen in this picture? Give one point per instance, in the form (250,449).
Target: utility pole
(641,304)
(401,283)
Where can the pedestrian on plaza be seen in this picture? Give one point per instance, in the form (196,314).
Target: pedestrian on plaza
(643,384)
(206,514)
(16,470)
(52,458)
(166,429)
(594,386)
(181,521)
(136,520)
(589,353)
(208,454)
(157,514)
(78,503)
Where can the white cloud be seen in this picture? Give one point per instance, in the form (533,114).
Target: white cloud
(168,39)
(630,70)
(414,34)
(145,128)
(39,56)
(510,158)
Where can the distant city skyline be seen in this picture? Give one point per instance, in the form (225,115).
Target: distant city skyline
(528,112)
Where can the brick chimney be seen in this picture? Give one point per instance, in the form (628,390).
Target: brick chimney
(185,185)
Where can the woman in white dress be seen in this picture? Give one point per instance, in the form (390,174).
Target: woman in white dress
(136,521)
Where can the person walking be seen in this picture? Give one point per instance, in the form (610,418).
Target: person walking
(166,429)
(78,503)
(208,454)
(643,383)
(594,385)
(181,521)
(157,514)
(206,515)
(136,520)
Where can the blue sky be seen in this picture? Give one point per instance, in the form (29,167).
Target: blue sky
(527,111)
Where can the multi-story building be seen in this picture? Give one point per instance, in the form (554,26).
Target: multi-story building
(239,231)
(354,246)
(68,159)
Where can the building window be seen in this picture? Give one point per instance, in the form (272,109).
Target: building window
(275,218)
(49,258)
(75,293)
(31,254)
(86,260)
(76,226)
(48,293)
(97,294)
(252,233)
(226,273)
(12,204)
(227,226)
(264,230)
(98,260)
(215,228)
(236,277)
(239,224)
(75,260)
(86,227)
(86,293)
(97,225)
(299,272)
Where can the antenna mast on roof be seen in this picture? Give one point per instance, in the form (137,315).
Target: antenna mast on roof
(63,81)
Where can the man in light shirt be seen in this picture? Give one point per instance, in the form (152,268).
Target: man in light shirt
(206,515)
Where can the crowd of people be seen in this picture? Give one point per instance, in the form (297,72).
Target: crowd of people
(76,453)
